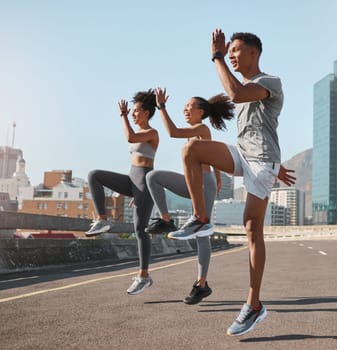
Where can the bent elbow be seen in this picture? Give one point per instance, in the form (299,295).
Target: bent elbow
(235,97)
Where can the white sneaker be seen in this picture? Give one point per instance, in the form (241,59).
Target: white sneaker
(139,284)
(97,227)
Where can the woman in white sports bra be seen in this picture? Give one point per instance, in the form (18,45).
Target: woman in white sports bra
(143,145)
(217,109)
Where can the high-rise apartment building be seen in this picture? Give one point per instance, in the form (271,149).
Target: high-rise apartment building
(324,180)
(293,200)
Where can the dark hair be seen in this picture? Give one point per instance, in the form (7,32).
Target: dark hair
(249,39)
(147,100)
(218,108)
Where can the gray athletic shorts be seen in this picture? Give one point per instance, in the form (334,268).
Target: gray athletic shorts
(258,177)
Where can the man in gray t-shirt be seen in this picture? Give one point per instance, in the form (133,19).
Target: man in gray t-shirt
(256,157)
(258,121)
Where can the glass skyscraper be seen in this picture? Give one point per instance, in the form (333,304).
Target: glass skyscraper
(324,174)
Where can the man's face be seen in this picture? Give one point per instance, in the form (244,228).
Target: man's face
(240,55)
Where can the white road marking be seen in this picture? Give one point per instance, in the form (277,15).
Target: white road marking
(78,284)
(323,253)
(19,279)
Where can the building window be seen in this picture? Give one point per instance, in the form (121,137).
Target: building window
(65,195)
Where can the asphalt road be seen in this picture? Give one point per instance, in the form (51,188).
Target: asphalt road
(87,307)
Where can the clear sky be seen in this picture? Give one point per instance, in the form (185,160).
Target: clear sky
(64,64)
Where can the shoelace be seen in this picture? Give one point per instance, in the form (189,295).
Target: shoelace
(189,222)
(244,314)
(135,278)
(155,220)
(94,222)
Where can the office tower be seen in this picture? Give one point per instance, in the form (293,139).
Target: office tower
(324,179)
(8,158)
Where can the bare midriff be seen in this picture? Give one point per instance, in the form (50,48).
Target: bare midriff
(142,161)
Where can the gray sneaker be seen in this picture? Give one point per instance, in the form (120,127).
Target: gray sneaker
(191,229)
(139,284)
(247,320)
(97,227)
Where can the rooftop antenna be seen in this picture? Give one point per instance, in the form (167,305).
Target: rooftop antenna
(13,135)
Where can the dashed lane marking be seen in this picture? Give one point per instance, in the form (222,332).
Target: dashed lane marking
(94,280)
(323,253)
(19,279)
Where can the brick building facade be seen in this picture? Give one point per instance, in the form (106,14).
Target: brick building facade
(60,197)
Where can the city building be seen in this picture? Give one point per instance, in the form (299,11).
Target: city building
(61,195)
(279,215)
(230,212)
(7,204)
(8,159)
(293,200)
(227,187)
(324,180)
(18,178)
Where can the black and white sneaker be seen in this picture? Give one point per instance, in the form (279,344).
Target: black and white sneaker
(161,226)
(197,294)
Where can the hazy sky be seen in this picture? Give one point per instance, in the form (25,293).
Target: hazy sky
(64,64)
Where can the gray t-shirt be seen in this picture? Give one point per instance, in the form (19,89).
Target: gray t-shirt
(257,122)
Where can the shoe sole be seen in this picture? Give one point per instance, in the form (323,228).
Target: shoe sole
(258,320)
(140,290)
(96,233)
(158,232)
(197,302)
(205,233)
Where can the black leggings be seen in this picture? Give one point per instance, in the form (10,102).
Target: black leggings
(132,185)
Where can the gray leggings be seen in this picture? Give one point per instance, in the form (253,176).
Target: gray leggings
(132,185)
(158,180)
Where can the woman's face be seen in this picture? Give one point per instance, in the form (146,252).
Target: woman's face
(192,112)
(138,114)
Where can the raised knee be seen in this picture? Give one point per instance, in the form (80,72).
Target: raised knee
(189,148)
(92,174)
(151,177)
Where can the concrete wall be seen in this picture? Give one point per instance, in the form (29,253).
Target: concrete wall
(13,220)
(28,254)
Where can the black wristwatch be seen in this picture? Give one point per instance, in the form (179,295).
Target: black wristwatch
(217,54)
(161,105)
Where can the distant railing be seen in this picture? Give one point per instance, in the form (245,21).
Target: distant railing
(13,220)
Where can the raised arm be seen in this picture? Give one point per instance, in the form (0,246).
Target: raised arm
(236,91)
(132,136)
(195,130)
